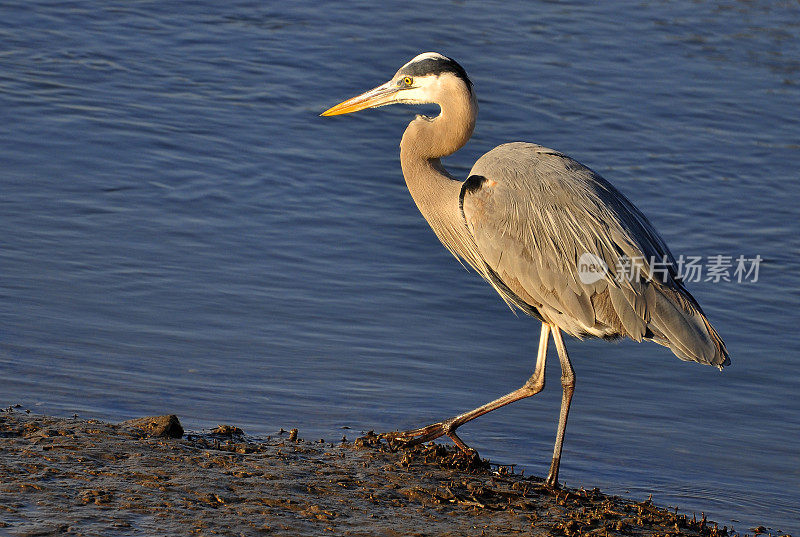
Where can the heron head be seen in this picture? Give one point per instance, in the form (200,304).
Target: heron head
(422,80)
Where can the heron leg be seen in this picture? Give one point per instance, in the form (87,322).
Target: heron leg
(534,385)
(568,385)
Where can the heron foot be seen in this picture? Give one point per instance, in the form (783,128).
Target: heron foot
(430,432)
(552,475)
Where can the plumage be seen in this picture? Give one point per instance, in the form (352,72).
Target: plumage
(568,210)
(526,219)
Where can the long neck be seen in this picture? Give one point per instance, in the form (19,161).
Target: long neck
(436,192)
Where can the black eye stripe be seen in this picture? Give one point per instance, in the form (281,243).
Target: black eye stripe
(437,66)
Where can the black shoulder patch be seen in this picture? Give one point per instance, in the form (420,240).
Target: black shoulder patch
(473,183)
(437,66)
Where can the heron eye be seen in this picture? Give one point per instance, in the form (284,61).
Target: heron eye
(408,81)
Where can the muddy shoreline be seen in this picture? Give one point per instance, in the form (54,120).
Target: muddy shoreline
(146,477)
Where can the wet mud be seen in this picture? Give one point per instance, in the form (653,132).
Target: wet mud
(144,477)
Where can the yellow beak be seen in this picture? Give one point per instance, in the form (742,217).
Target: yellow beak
(380,96)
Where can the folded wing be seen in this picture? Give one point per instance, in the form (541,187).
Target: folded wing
(536,214)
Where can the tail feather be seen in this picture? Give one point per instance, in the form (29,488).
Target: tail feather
(678,322)
(722,351)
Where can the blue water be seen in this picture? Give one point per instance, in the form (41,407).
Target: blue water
(180,232)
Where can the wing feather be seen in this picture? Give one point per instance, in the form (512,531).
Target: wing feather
(532,212)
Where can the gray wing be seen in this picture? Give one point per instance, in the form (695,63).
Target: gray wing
(534,212)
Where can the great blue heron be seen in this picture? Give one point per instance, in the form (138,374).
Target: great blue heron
(544,231)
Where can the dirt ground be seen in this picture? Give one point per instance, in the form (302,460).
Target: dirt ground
(85,477)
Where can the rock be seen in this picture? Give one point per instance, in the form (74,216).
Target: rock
(227,430)
(163,426)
